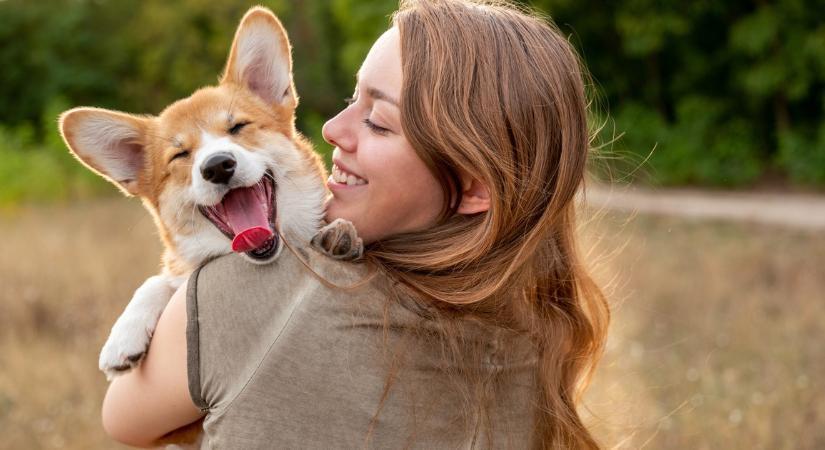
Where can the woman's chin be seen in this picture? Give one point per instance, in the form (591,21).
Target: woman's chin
(333,210)
(336,210)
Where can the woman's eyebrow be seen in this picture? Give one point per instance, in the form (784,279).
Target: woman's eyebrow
(380,95)
(377,94)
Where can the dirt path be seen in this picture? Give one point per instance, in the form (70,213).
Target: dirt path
(801,211)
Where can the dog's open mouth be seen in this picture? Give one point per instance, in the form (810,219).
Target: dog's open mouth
(247,217)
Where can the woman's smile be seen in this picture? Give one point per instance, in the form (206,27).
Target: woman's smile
(342,176)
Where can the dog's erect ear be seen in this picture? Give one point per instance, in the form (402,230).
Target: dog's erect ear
(261,58)
(108,142)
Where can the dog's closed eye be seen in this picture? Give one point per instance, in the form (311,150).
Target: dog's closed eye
(235,129)
(180,155)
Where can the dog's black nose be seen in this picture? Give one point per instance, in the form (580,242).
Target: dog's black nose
(219,168)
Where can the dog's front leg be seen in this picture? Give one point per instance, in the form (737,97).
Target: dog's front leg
(131,333)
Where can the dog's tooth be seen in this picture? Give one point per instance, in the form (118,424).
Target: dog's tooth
(351,180)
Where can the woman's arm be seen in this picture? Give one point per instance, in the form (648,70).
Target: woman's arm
(153,399)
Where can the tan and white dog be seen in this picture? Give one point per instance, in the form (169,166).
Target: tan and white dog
(222,170)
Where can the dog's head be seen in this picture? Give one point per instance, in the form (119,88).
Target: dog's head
(223,169)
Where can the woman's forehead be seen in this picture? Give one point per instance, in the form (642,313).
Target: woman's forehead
(382,67)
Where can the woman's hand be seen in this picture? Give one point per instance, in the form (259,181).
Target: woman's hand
(150,401)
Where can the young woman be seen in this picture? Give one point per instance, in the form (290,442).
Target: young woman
(480,329)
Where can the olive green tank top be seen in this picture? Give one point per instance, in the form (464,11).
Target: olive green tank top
(278,359)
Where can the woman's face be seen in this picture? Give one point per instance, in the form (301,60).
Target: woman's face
(378,182)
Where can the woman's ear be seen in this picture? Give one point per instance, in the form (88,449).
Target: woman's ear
(475,196)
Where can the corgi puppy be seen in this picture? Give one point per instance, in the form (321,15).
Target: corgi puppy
(223,170)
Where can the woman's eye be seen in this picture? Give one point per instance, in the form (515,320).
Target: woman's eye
(375,128)
(180,155)
(235,129)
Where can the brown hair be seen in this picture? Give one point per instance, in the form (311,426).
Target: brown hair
(498,93)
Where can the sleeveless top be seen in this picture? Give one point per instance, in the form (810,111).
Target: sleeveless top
(278,359)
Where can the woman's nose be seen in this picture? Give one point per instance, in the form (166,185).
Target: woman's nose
(338,132)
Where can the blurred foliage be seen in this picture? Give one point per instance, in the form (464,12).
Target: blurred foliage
(35,168)
(716,93)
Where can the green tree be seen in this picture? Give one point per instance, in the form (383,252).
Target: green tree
(720,92)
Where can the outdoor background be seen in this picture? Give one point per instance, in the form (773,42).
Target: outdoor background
(717,338)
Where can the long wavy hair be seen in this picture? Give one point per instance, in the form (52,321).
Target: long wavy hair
(498,93)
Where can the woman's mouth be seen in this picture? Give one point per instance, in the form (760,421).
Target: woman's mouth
(341,176)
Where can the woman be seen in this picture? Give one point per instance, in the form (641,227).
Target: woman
(481,327)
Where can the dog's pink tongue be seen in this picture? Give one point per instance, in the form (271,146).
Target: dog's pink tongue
(247,215)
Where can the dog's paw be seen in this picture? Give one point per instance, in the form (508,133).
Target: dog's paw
(125,348)
(339,240)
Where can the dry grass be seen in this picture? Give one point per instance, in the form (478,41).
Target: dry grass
(65,275)
(716,340)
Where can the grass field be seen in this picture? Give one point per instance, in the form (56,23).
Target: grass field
(717,338)
(716,342)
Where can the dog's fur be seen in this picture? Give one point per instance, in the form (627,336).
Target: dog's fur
(159,159)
